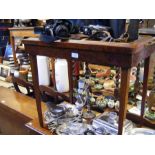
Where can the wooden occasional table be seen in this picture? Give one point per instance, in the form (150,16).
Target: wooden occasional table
(123,55)
(20,32)
(16,110)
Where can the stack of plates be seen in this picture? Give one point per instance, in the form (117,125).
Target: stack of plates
(141,131)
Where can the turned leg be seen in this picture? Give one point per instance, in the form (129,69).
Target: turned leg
(124,89)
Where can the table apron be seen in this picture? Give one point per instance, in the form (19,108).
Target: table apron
(100,58)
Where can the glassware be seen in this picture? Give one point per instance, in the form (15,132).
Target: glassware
(89,116)
(81,84)
(79,105)
(112,118)
(71,128)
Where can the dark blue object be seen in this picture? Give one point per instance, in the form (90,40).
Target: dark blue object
(3,43)
(4,37)
(8,51)
(47,38)
(117,25)
(2,49)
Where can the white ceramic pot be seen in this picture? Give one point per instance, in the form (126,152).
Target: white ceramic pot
(117,104)
(111,103)
(16,74)
(43,70)
(61,75)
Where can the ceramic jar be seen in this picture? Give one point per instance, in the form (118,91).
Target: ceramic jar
(117,104)
(101,103)
(111,103)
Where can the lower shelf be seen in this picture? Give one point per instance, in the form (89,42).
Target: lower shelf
(34,126)
(137,120)
(52,92)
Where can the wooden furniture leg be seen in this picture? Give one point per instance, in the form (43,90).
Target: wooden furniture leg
(53,77)
(124,88)
(145,82)
(34,68)
(70,76)
(12,41)
(53,72)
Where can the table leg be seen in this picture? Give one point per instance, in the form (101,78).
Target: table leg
(12,41)
(125,78)
(34,68)
(145,82)
(70,76)
(53,78)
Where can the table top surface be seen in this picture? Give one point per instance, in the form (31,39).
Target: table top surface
(118,54)
(116,47)
(21,28)
(19,102)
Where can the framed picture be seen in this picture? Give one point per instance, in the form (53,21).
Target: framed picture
(4,72)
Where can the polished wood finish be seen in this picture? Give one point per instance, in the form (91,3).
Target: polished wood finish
(21,82)
(12,123)
(53,72)
(123,55)
(19,103)
(70,76)
(35,79)
(34,126)
(126,54)
(20,32)
(16,110)
(52,92)
(124,88)
(137,119)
